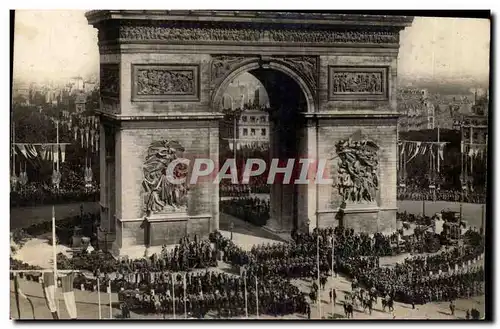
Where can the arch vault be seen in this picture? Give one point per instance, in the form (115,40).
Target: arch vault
(162,77)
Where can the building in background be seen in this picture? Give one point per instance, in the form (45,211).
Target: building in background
(253,128)
(417,111)
(89,86)
(80,102)
(77,84)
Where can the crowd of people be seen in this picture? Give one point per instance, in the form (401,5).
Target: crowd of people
(187,255)
(418,194)
(234,191)
(34,194)
(197,294)
(146,284)
(250,209)
(444,261)
(359,260)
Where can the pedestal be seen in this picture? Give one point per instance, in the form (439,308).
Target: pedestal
(166,228)
(362,217)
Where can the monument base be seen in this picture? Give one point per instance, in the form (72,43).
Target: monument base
(366,218)
(105,239)
(166,228)
(133,236)
(274,227)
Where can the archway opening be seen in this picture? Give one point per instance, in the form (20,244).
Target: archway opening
(265,120)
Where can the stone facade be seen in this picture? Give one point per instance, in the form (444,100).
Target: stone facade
(164,75)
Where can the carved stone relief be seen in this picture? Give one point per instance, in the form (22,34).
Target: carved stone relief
(358,169)
(166,82)
(110,80)
(161,194)
(306,66)
(222,65)
(170,32)
(377,37)
(357,83)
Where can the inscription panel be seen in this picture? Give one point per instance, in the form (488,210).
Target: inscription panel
(168,232)
(165,83)
(357,83)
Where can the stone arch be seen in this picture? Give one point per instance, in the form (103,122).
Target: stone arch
(247,66)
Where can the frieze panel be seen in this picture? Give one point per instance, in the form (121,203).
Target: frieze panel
(165,188)
(358,83)
(179,33)
(110,80)
(165,83)
(138,32)
(325,36)
(358,169)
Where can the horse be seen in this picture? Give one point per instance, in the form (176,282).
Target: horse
(367,302)
(313,296)
(348,310)
(389,304)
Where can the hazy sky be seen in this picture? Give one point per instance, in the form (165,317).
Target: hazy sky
(60,44)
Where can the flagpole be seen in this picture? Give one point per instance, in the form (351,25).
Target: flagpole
(99,296)
(57,142)
(438,158)
(173,295)
(246,302)
(257,296)
(333,253)
(319,286)
(110,302)
(185,305)
(13,148)
(54,255)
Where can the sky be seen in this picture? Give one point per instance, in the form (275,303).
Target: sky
(59,44)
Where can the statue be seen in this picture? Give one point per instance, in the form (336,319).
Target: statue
(161,194)
(357,173)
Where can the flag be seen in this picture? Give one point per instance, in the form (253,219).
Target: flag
(402,146)
(22,148)
(49,152)
(441,151)
(87,136)
(415,152)
(43,152)
(56,153)
(69,295)
(18,293)
(63,153)
(423,150)
(49,291)
(471,151)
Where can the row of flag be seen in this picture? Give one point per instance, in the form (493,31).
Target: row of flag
(48,151)
(84,129)
(413,148)
(474,150)
(49,292)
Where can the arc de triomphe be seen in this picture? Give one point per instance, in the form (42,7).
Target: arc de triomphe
(162,77)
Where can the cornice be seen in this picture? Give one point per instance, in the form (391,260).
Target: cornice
(279,17)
